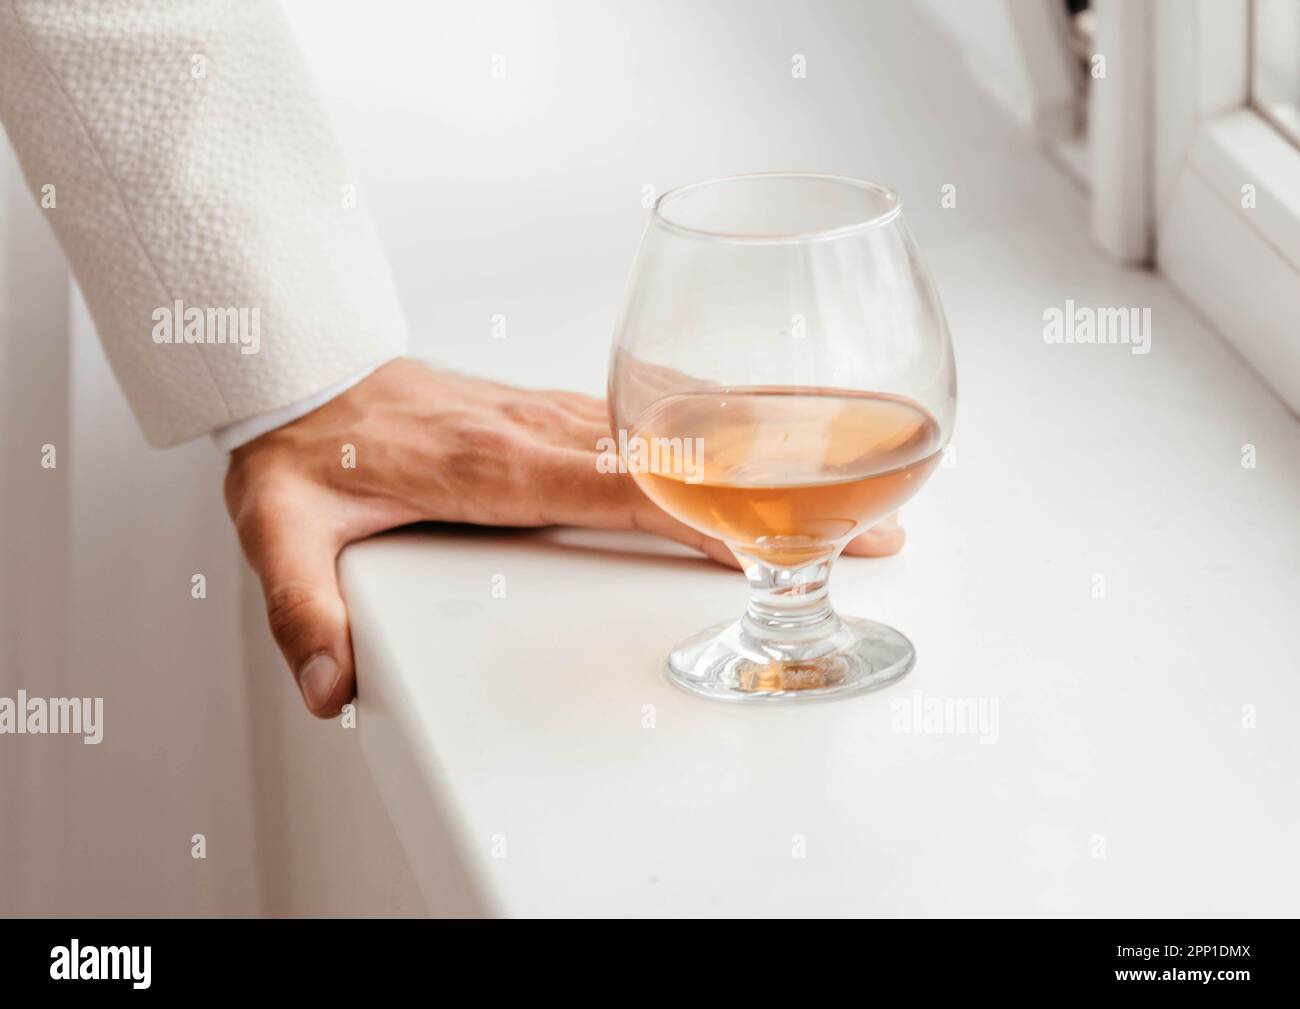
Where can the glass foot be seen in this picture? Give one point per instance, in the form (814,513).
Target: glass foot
(732,662)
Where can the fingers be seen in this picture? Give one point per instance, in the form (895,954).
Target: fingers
(884,539)
(576,492)
(565,429)
(293,553)
(649,517)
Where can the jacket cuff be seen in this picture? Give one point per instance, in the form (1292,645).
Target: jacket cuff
(232,436)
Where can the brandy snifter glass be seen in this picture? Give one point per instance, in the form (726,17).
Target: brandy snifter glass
(782,379)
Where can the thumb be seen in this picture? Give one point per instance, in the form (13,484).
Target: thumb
(294,555)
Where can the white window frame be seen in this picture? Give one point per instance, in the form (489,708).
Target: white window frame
(1239,266)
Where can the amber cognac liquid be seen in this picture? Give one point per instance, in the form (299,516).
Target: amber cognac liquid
(784,473)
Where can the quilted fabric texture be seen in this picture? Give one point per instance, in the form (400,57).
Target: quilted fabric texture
(191,161)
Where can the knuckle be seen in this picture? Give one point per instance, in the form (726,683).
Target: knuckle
(480,453)
(257,516)
(536,414)
(482,441)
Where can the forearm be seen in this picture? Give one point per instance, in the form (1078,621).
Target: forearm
(187,166)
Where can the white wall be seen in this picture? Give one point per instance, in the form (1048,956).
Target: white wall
(522,196)
(95,602)
(34,553)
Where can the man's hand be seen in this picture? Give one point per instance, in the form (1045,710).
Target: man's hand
(429,445)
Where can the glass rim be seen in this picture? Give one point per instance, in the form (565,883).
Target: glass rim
(894,208)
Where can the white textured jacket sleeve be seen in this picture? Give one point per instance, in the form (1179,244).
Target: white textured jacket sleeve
(191,176)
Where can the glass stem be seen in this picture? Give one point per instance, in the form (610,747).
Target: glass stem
(789,605)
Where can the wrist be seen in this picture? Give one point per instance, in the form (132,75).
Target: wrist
(241,432)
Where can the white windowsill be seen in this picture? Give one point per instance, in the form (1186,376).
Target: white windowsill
(514,726)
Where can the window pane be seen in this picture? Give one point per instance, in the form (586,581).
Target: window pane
(1275,66)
